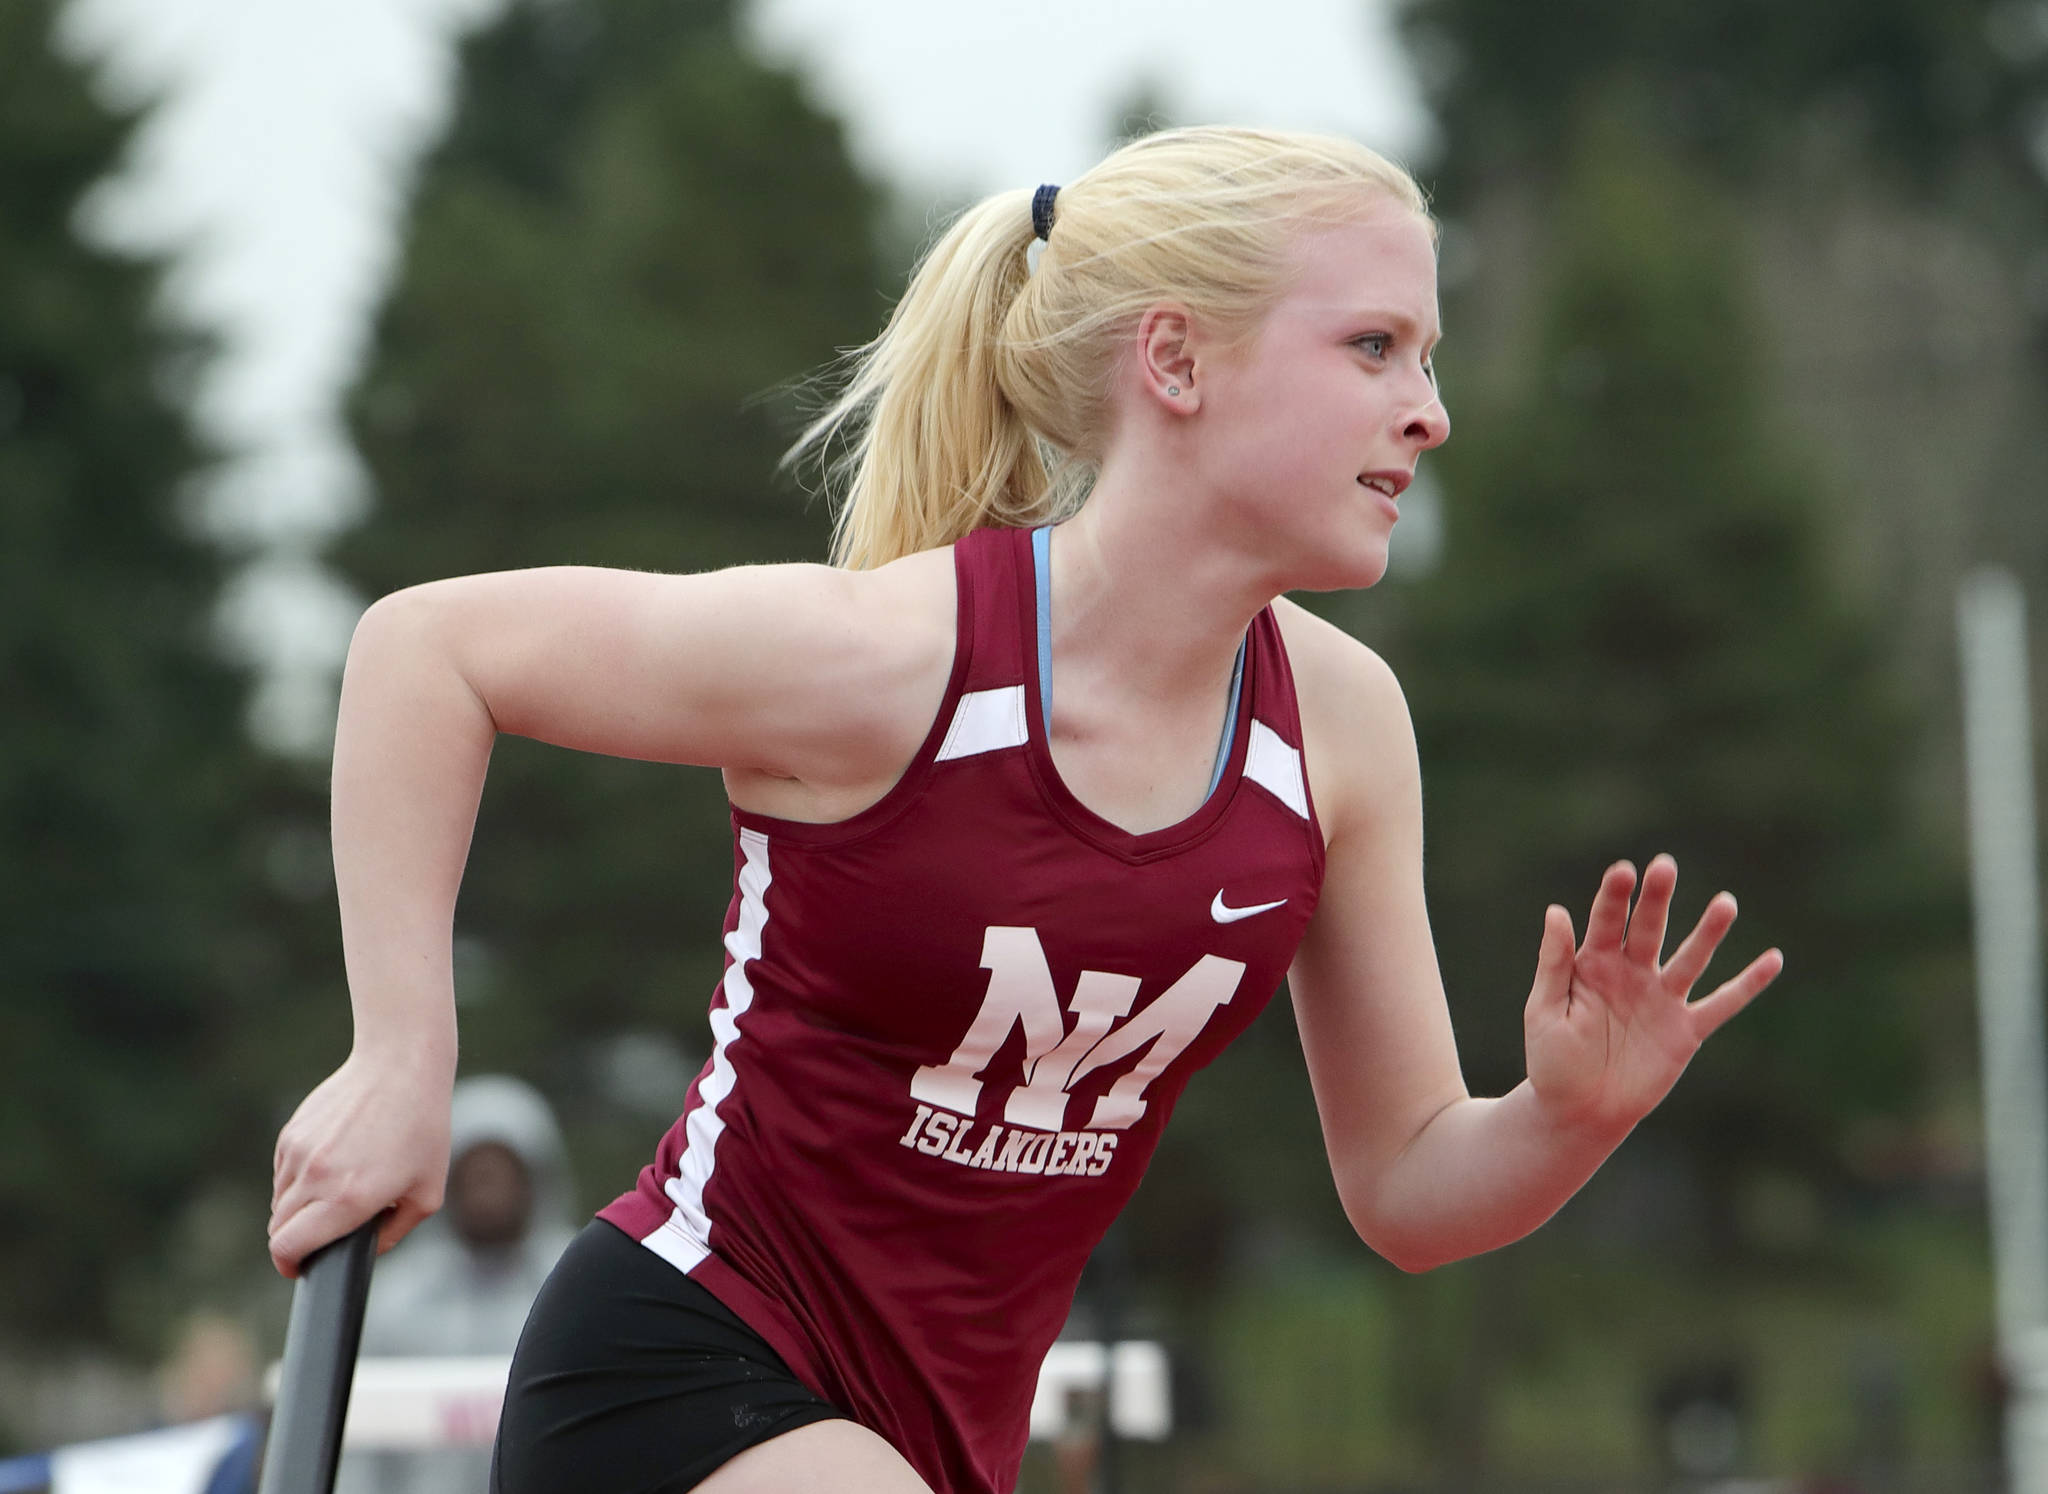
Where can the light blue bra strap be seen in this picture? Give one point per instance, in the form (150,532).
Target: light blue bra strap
(1229,718)
(1041,567)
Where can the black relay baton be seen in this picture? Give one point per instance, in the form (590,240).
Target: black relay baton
(319,1365)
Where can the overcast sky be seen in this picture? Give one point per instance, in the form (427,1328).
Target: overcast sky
(278,158)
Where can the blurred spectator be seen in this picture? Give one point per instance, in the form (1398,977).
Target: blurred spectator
(211,1370)
(462,1282)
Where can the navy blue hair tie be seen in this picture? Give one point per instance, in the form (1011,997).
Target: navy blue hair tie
(1041,210)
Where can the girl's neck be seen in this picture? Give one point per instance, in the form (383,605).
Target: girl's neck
(1145,597)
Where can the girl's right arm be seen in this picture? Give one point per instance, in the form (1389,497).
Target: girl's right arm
(800,671)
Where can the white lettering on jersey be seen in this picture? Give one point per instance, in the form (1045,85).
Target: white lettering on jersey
(1099,999)
(985,1154)
(938,1131)
(910,1136)
(1073,1154)
(1021,994)
(1169,1024)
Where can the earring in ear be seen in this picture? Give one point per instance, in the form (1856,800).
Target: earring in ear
(1174,390)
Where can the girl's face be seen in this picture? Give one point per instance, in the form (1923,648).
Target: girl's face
(1313,425)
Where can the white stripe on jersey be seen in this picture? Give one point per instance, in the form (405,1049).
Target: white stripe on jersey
(986,721)
(1276,767)
(684,1237)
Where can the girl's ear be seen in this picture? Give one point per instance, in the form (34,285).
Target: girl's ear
(1166,357)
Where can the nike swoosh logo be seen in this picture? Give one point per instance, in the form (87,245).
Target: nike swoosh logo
(1223,913)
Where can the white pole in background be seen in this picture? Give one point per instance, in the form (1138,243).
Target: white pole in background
(1999,773)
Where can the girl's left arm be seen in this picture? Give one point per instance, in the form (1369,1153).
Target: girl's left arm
(1427,1173)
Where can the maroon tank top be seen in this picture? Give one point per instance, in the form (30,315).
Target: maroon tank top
(949,1031)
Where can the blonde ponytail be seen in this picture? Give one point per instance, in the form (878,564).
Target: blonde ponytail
(935,449)
(985,398)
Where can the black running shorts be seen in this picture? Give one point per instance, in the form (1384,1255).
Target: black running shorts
(630,1378)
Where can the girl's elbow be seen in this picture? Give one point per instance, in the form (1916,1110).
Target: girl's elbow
(396,619)
(1410,1256)
(1403,1248)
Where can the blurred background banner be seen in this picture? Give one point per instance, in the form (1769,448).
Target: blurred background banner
(1745,309)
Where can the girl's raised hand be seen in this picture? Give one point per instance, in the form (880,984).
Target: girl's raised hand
(1609,1026)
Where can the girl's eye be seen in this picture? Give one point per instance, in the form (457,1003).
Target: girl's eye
(1375,343)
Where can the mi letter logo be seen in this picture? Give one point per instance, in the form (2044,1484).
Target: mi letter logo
(1020,994)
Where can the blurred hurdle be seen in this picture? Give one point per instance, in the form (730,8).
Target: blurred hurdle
(1133,1379)
(216,1456)
(410,1404)
(399,1404)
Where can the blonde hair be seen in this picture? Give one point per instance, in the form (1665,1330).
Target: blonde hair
(985,400)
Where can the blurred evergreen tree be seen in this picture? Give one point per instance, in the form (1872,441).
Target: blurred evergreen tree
(1635,643)
(633,237)
(1637,640)
(1862,128)
(1940,90)
(1643,634)
(134,957)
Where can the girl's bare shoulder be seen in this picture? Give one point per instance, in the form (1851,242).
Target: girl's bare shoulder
(1358,740)
(883,678)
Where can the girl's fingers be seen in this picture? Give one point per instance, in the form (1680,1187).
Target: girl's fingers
(1608,921)
(1645,939)
(304,1231)
(1553,986)
(284,1168)
(289,1194)
(399,1223)
(1689,961)
(1710,1011)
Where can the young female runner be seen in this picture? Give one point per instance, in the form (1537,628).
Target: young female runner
(1035,800)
